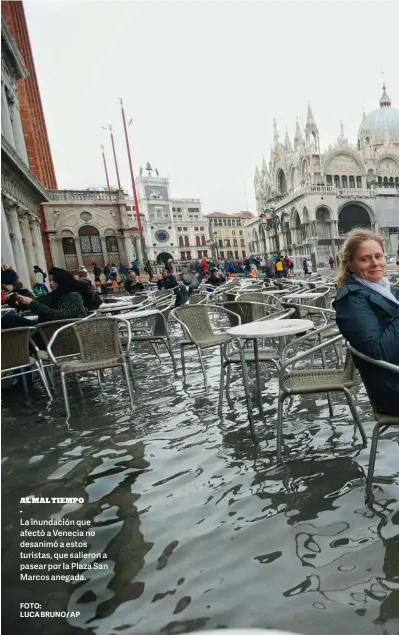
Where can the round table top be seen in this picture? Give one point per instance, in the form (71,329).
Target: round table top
(270,328)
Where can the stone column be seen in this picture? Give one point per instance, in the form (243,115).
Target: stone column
(38,248)
(57,253)
(6,125)
(21,264)
(129,249)
(28,244)
(78,251)
(104,249)
(18,131)
(7,254)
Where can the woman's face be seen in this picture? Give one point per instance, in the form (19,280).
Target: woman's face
(53,284)
(369,261)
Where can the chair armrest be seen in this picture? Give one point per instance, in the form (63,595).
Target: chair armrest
(370,360)
(310,351)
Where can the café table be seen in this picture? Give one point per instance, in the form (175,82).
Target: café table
(262,330)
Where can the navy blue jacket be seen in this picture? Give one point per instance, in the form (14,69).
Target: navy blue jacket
(370,322)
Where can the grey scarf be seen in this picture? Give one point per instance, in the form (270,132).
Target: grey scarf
(382,287)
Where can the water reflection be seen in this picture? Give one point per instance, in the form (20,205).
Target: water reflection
(199,528)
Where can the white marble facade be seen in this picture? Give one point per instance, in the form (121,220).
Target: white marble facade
(173,228)
(307,200)
(21,192)
(90,226)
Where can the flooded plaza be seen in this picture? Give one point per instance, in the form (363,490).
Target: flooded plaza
(201,529)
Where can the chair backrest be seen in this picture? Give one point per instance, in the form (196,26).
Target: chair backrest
(66,343)
(98,338)
(15,347)
(196,298)
(244,310)
(252,296)
(196,319)
(159,324)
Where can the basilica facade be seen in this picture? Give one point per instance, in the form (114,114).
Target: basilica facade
(307,200)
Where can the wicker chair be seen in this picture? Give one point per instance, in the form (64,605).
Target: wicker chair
(197,327)
(99,347)
(157,332)
(383,421)
(16,358)
(311,380)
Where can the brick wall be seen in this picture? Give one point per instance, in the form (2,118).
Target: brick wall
(32,115)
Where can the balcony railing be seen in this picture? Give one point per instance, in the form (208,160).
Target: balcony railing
(84,195)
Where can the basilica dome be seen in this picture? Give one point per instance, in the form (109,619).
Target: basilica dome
(381,125)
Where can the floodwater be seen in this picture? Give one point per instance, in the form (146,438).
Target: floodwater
(200,529)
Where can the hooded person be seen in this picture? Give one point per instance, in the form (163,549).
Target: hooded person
(69,299)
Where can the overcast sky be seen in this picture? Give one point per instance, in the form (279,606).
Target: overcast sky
(202,82)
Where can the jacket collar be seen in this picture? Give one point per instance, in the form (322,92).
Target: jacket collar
(351,285)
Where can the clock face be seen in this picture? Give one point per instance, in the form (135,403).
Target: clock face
(162,235)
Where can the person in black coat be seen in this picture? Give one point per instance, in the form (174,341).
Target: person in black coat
(8,275)
(367,314)
(133,284)
(168,280)
(69,298)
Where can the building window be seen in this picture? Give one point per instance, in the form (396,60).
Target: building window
(220,242)
(241,232)
(352,181)
(203,240)
(235,242)
(329,179)
(233,223)
(178,209)
(202,229)
(195,229)
(186,241)
(193,210)
(243,253)
(344,182)
(90,240)
(179,229)
(227,242)
(233,233)
(337,181)
(181,241)
(184,229)
(236,255)
(238,223)
(359,182)
(198,240)
(222,254)
(229,254)
(242,242)
(229,222)
(225,222)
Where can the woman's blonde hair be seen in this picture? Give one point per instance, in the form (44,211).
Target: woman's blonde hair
(354,238)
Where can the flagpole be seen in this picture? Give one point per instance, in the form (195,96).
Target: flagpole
(136,200)
(105,167)
(116,162)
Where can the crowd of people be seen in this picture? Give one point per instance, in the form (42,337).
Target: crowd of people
(366,305)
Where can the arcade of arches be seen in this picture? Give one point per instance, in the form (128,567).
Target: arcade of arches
(93,248)
(351,216)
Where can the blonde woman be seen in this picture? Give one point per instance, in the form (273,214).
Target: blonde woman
(367,309)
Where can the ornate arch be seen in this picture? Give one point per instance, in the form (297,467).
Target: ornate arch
(348,152)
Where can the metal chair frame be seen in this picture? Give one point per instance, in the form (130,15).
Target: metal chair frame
(337,386)
(192,341)
(126,364)
(383,421)
(30,361)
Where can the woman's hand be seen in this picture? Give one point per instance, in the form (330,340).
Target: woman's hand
(21,299)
